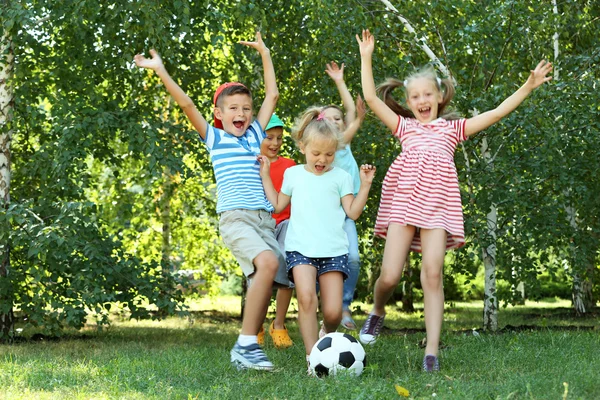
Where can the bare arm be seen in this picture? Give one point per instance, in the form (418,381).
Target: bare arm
(279,200)
(353,128)
(271,91)
(484,120)
(337,74)
(354,206)
(181,98)
(383,112)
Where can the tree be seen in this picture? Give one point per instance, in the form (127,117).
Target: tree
(6,105)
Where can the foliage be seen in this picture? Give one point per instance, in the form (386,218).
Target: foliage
(98,139)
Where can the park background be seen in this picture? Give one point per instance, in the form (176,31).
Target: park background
(106,192)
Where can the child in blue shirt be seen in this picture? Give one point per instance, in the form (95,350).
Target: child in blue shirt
(245,221)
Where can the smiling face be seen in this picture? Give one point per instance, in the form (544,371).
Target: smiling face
(423,98)
(235,112)
(319,153)
(336,116)
(272,143)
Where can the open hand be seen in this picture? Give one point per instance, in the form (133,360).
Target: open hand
(538,76)
(258,45)
(367,173)
(367,44)
(334,71)
(153,63)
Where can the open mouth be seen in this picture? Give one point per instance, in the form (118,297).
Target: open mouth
(319,168)
(425,111)
(238,124)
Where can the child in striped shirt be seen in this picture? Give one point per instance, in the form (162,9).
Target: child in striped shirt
(420,206)
(245,223)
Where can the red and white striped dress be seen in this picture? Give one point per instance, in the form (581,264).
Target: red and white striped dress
(421,186)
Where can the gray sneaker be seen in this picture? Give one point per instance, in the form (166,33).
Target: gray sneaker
(250,357)
(431,363)
(371,329)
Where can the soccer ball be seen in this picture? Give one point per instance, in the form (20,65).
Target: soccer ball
(337,352)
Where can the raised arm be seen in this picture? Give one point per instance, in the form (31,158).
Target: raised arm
(383,112)
(537,77)
(279,200)
(181,98)
(271,91)
(353,127)
(337,74)
(354,206)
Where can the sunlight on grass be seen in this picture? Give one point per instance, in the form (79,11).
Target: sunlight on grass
(188,357)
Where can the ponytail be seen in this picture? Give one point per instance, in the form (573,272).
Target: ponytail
(312,123)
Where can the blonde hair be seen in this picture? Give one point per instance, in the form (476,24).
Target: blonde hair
(312,125)
(445,86)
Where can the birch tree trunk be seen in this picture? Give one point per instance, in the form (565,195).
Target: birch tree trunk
(6,105)
(490,299)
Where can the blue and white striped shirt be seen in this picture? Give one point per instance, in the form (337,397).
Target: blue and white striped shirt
(237,170)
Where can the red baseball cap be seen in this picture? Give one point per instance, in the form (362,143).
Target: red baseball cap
(217,122)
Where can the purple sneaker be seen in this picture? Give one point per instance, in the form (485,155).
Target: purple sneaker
(431,363)
(371,329)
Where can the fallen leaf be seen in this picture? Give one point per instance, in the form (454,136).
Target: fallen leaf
(402,391)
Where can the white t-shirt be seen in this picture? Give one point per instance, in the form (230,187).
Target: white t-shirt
(316,227)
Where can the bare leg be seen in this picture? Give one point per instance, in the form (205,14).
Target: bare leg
(332,286)
(259,292)
(305,277)
(397,246)
(282,303)
(433,242)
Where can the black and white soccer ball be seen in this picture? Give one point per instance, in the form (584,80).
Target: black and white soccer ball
(337,352)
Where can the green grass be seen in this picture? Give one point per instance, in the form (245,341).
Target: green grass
(189,359)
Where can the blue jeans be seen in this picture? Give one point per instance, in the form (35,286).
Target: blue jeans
(353,263)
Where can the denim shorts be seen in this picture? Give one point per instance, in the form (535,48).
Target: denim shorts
(323,265)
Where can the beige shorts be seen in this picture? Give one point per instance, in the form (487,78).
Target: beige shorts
(247,233)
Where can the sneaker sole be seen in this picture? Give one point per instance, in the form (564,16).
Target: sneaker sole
(368,342)
(241,364)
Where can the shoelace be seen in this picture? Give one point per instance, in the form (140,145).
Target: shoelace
(373,325)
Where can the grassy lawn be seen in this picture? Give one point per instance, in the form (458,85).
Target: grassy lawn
(555,357)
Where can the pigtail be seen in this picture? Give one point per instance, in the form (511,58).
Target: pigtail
(312,123)
(385,92)
(448,91)
(302,123)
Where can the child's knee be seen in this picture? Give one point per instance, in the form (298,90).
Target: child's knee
(267,262)
(307,301)
(431,276)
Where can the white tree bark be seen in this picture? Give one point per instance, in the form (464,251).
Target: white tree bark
(421,42)
(555,39)
(490,299)
(6,105)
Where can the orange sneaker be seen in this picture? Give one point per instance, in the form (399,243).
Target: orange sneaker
(261,337)
(281,338)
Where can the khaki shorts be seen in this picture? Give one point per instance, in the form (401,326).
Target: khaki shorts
(247,233)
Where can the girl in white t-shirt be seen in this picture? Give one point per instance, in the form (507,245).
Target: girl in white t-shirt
(316,244)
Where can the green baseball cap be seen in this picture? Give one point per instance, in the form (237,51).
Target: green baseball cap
(274,122)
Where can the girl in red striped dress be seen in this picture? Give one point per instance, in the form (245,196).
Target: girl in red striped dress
(420,208)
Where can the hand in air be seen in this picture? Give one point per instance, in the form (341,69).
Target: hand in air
(334,71)
(367,44)
(538,76)
(258,45)
(367,173)
(153,63)
(265,165)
